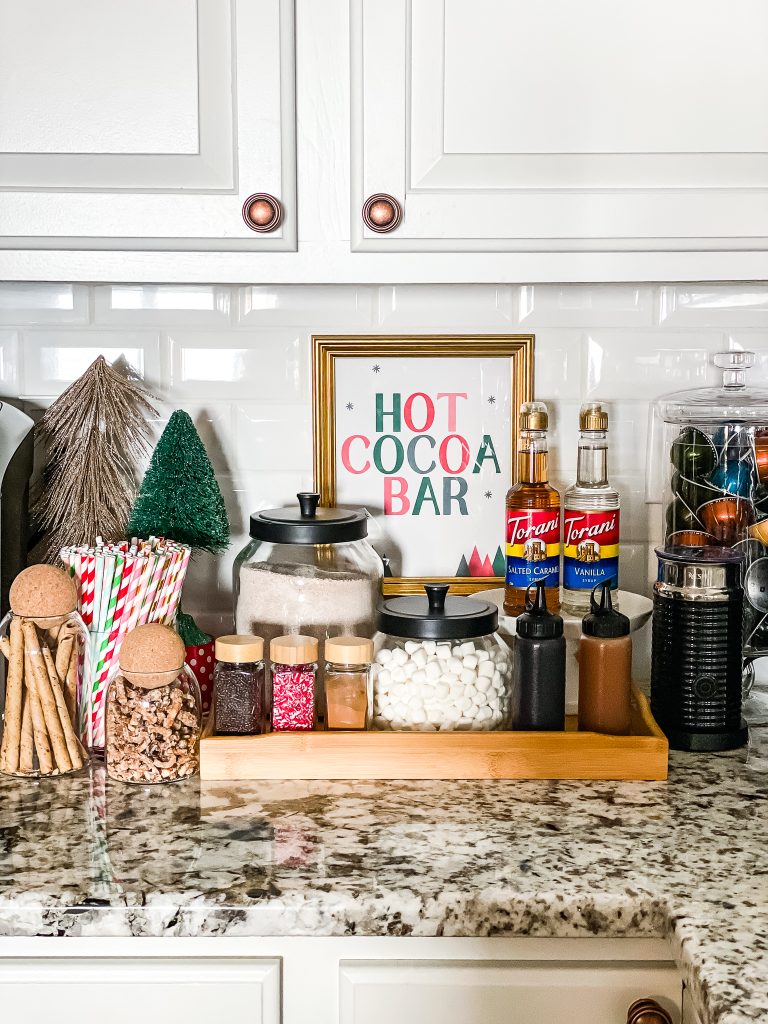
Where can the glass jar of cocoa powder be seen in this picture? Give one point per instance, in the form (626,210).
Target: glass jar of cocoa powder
(347,682)
(239,688)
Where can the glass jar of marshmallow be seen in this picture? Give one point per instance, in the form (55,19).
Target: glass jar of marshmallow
(439,665)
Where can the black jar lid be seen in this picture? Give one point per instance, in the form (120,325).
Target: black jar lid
(308,524)
(437,616)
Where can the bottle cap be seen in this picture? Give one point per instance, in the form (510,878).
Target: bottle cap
(293,650)
(537,622)
(239,649)
(593,417)
(603,620)
(349,650)
(533,416)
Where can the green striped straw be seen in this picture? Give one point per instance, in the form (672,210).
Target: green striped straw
(110,614)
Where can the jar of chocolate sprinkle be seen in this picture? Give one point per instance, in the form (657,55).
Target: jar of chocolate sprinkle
(239,686)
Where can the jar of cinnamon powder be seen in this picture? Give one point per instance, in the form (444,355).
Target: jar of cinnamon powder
(347,682)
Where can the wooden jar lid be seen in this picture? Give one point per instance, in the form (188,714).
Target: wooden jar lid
(43,592)
(348,650)
(293,650)
(151,655)
(239,649)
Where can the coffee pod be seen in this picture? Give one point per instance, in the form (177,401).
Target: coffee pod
(693,492)
(727,518)
(733,477)
(759,530)
(756,584)
(691,539)
(681,516)
(693,453)
(761,455)
(732,440)
(751,548)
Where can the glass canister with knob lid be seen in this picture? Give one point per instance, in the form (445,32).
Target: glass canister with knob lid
(440,665)
(307,570)
(708,468)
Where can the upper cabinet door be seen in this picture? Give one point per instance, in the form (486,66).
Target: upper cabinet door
(130,124)
(517,126)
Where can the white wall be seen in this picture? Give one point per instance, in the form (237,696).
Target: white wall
(237,359)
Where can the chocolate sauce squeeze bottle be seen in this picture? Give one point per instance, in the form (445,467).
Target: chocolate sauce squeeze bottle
(539,689)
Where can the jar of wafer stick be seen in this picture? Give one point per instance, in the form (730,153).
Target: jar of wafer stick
(43,643)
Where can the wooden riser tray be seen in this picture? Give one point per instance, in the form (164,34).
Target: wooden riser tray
(443,755)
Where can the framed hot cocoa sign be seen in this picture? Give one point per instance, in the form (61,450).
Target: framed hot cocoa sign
(421,431)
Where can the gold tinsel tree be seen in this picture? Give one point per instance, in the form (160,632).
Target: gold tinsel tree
(95,433)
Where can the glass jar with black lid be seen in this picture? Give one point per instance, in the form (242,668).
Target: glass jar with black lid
(307,570)
(440,665)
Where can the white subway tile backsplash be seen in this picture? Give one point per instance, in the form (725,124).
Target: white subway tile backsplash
(239,361)
(318,307)
(474,308)
(631,365)
(192,305)
(271,438)
(43,303)
(52,359)
(9,363)
(558,359)
(714,305)
(272,366)
(574,305)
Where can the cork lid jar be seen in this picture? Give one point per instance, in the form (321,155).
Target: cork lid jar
(154,710)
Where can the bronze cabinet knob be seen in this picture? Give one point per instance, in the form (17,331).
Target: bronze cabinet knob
(382,213)
(262,212)
(647,1011)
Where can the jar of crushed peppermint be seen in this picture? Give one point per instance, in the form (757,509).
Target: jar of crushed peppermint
(294,677)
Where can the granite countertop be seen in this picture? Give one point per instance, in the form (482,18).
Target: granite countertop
(686,859)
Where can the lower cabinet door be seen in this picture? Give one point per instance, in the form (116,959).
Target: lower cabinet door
(482,992)
(140,991)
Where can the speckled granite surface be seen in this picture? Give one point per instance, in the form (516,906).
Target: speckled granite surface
(687,860)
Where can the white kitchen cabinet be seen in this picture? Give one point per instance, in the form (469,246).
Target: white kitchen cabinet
(145,125)
(510,126)
(326,980)
(441,992)
(94,990)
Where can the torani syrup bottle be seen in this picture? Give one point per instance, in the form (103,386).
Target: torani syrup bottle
(533,517)
(590,517)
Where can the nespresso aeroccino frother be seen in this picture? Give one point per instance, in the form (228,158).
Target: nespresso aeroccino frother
(696,663)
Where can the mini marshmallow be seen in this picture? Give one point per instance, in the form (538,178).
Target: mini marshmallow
(409,668)
(384,656)
(383,679)
(482,656)
(401,710)
(419,658)
(484,714)
(455,666)
(418,716)
(468,677)
(467,648)
(399,656)
(398,674)
(433,670)
(469,661)
(483,684)
(443,652)
(419,676)
(478,697)
(411,646)
(442,690)
(429,646)
(415,703)
(486,669)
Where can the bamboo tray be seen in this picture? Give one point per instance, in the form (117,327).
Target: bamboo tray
(443,755)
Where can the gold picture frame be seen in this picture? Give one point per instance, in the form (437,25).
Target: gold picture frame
(327,349)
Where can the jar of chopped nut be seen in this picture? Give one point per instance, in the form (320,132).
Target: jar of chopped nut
(154,710)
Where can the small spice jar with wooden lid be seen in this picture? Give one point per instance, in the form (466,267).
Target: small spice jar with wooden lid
(347,682)
(154,710)
(294,677)
(43,641)
(239,694)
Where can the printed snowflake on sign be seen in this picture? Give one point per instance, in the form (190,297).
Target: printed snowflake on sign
(376,368)
(488,494)
(349,406)
(491,400)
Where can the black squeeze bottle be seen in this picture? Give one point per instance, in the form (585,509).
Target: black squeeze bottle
(539,692)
